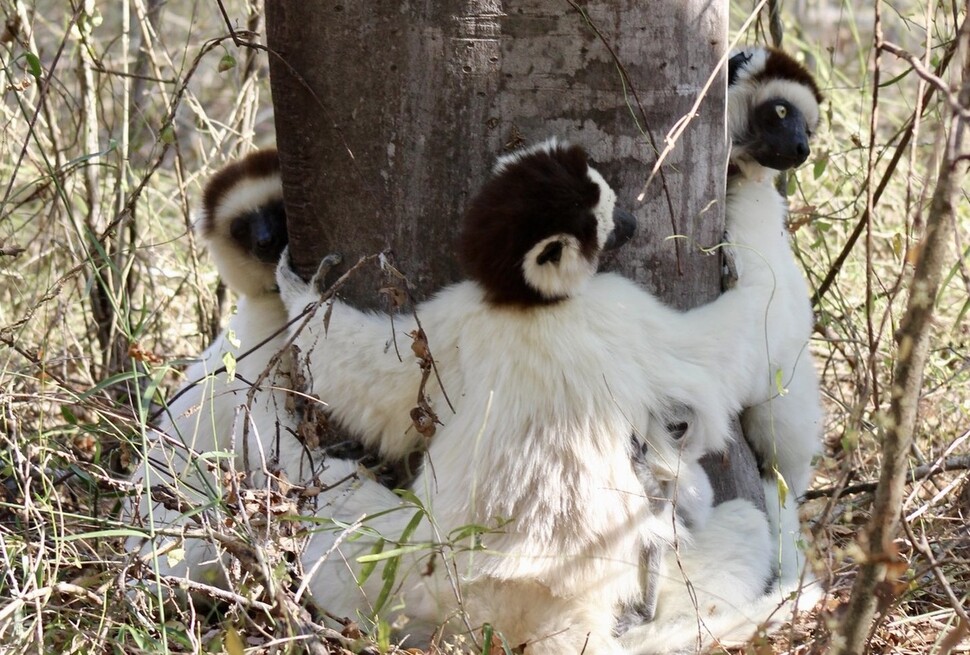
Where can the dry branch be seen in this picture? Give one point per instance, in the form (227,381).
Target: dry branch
(924,472)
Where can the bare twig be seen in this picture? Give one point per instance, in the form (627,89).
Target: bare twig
(923,548)
(930,76)
(873,341)
(954,463)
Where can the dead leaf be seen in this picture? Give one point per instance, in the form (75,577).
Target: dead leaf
(420,345)
(351,630)
(423,422)
(396,297)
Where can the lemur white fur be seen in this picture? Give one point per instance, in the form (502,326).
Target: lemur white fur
(205,425)
(785,431)
(549,374)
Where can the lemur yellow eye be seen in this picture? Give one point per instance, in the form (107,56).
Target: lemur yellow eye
(781,110)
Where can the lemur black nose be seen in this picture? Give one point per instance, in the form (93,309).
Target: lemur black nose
(624,226)
(267,237)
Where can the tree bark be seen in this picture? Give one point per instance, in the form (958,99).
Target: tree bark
(388,118)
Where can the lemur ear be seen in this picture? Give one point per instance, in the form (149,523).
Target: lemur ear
(735,64)
(551,253)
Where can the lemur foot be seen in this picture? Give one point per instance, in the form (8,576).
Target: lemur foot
(292,285)
(323,270)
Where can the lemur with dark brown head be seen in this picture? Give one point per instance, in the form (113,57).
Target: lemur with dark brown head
(773,111)
(243,225)
(550,368)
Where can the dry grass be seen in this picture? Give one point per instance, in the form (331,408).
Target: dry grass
(97,177)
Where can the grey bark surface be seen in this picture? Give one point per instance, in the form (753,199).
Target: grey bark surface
(389,117)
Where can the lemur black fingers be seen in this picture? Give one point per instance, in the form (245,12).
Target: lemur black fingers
(319,281)
(642,609)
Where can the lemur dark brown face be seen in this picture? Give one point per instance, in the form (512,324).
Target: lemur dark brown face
(534,233)
(243,222)
(773,108)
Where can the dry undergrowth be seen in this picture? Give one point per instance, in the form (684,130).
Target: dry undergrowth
(99,170)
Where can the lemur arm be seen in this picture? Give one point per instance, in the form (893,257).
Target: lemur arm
(354,363)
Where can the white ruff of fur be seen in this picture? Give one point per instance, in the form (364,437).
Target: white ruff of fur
(726,602)
(729,600)
(785,430)
(241,271)
(557,279)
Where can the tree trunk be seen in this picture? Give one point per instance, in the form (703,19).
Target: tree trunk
(388,118)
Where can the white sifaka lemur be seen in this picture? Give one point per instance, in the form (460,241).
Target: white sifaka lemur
(207,423)
(773,111)
(528,515)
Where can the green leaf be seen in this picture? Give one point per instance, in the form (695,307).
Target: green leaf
(96,19)
(167,135)
(68,415)
(850,440)
(792,185)
(369,565)
(780,383)
(174,556)
(898,244)
(412,525)
(230,363)
(390,554)
(232,338)
(782,487)
(228,62)
(820,165)
(233,642)
(33,66)
(487,633)
(108,382)
(103,534)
